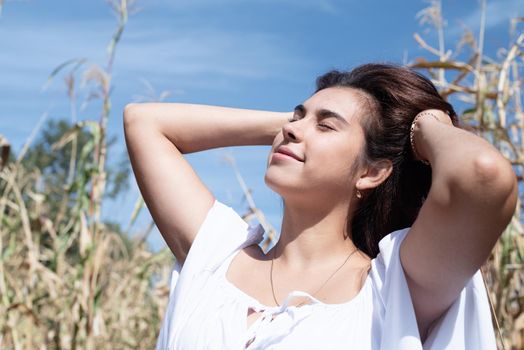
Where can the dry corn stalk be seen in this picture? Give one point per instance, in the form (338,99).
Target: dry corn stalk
(489,92)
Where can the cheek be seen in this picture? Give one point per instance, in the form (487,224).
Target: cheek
(334,172)
(333,165)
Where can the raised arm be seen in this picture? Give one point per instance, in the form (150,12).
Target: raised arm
(472,199)
(157,134)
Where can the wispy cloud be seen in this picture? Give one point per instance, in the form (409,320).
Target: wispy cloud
(210,54)
(200,55)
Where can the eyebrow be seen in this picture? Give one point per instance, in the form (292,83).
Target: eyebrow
(323,113)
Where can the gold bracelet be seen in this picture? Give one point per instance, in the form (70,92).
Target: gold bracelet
(412,138)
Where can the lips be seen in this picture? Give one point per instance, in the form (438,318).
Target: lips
(288,152)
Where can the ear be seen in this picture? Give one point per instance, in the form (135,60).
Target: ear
(374,174)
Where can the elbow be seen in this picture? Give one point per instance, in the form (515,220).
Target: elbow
(137,116)
(497,184)
(131,114)
(494,172)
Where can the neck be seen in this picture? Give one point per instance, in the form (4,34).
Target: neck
(313,236)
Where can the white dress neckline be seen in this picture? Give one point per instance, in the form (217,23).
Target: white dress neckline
(252,301)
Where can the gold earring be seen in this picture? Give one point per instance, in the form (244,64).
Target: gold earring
(359,194)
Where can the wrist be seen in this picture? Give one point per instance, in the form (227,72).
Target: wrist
(420,123)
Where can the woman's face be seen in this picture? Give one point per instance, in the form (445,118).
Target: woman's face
(314,153)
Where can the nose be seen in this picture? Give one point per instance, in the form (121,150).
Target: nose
(291,132)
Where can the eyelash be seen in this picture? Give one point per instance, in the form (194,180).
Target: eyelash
(320,125)
(325,126)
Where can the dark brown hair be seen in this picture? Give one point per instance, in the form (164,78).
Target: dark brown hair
(392,96)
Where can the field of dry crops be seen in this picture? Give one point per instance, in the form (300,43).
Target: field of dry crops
(69,280)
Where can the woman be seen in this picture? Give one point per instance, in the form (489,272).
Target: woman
(373,155)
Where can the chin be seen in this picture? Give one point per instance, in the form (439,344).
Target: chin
(282,185)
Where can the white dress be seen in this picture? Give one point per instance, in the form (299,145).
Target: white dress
(206,311)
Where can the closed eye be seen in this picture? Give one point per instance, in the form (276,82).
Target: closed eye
(325,127)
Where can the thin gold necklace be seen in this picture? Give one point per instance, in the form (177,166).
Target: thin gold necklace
(318,290)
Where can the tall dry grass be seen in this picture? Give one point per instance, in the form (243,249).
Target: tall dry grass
(69,281)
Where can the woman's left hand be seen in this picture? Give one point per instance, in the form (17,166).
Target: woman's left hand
(427,116)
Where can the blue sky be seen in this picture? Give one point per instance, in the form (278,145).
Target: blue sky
(261,54)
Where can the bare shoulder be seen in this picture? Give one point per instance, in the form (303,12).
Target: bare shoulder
(247,262)
(249,271)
